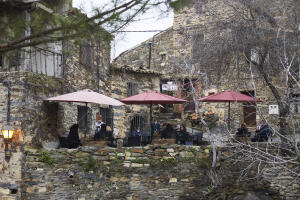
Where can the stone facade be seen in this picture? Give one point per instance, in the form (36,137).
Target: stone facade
(40,123)
(143,80)
(183,41)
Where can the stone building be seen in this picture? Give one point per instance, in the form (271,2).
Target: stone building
(186,52)
(128,81)
(32,74)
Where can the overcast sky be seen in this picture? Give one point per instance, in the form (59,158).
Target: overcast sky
(152,20)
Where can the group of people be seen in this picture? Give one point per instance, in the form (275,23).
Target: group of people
(102,131)
(262,132)
(181,135)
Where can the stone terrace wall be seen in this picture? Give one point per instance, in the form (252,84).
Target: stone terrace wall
(151,172)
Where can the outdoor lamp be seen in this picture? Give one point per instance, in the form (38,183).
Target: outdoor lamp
(7,133)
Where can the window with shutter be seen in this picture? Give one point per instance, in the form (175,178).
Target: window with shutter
(82,112)
(86,54)
(132,88)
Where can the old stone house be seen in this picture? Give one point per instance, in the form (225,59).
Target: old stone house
(128,81)
(32,74)
(180,52)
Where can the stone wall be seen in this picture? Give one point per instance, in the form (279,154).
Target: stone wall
(150,172)
(161,53)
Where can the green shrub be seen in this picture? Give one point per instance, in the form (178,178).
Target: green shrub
(90,165)
(45,158)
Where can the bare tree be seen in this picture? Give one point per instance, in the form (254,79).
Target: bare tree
(264,35)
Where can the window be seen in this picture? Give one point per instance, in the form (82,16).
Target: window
(138,122)
(199,5)
(163,56)
(197,41)
(81,117)
(86,55)
(1,60)
(47,59)
(296,103)
(254,55)
(107,116)
(10,61)
(132,88)
(297,108)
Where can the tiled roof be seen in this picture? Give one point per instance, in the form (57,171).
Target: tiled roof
(142,70)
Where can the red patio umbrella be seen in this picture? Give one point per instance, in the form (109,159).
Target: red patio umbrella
(229,96)
(152,97)
(86,96)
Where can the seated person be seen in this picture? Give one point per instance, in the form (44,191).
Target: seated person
(72,141)
(109,133)
(168,132)
(136,132)
(100,132)
(99,122)
(134,139)
(182,135)
(155,128)
(243,131)
(263,132)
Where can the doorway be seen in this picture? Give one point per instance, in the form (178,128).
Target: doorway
(249,109)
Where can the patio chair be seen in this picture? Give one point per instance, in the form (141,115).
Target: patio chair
(197,138)
(134,141)
(189,140)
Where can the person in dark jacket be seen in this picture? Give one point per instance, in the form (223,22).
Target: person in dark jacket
(243,131)
(155,128)
(168,132)
(182,135)
(100,133)
(263,132)
(72,141)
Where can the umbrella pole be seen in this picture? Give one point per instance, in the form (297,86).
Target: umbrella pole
(151,121)
(86,120)
(228,123)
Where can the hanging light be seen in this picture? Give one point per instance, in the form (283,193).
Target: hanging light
(7,132)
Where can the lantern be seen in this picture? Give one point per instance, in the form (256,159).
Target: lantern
(7,132)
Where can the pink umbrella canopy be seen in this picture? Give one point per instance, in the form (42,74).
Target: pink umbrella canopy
(152,97)
(86,96)
(229,96)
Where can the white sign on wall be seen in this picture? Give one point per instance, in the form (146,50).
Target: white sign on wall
(273,110)
(169,87)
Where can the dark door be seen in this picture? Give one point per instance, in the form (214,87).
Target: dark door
(249,110)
